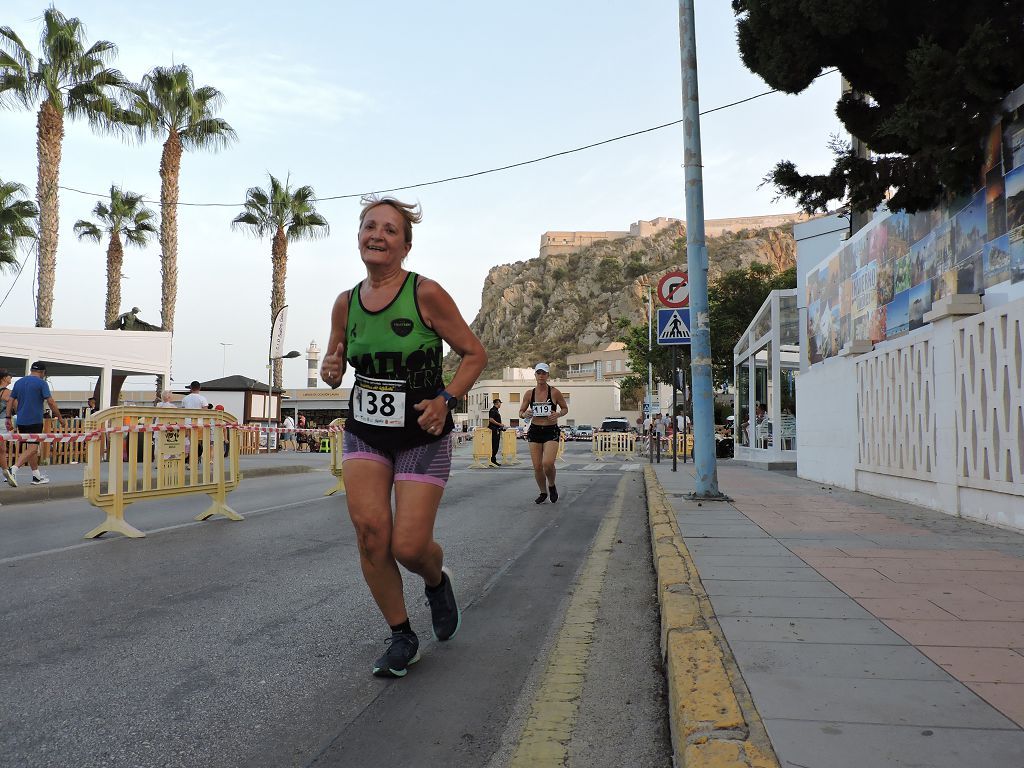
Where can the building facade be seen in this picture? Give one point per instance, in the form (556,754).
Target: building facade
(590,402)
(610,362)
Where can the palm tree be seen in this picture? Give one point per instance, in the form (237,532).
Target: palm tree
(286,216)
(125,216)
(167,105)
(17,215)
(67,80)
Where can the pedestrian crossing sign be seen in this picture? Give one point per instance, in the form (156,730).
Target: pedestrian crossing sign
(674,326)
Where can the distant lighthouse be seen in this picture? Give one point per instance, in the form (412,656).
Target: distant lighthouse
(312,364)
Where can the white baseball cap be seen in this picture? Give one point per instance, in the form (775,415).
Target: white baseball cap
(541,367)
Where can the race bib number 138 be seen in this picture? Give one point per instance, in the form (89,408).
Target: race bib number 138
(378,402)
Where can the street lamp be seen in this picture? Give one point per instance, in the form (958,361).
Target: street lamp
(224,361)
(270,384)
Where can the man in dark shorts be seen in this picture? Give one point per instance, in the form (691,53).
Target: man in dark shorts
(496,427)
(27,399)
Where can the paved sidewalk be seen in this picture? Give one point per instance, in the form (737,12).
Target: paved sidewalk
(869,632)
(66,479)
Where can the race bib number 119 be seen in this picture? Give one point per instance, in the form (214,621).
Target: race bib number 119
(378,402)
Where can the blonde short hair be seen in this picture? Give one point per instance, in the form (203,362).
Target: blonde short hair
(411,213)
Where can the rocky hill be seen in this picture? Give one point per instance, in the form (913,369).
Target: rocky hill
(547,308)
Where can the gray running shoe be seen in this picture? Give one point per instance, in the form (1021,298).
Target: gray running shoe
(41,480)
(403,650)
(11,475)
(445,615)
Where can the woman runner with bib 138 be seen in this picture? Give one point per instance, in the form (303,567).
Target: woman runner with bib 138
(546,405)
(389,328)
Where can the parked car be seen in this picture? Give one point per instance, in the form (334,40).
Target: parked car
(615,424)
(583,432)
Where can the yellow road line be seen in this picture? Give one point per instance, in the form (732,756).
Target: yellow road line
(549,726)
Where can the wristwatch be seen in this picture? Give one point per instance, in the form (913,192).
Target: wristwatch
(450,400)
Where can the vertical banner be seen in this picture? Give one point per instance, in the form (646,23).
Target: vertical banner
(277,335)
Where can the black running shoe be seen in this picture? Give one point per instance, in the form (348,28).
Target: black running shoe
(541,499)
(403,650)
(553,492)
(445,615)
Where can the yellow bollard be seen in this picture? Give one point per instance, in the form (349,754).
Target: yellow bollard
(481,448)
(509,446)
(337,438)
(141,468)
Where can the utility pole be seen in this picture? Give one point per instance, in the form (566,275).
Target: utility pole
(706,480)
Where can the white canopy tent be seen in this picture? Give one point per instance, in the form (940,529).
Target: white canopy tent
(105,354)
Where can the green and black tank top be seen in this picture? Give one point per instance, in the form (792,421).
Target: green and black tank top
(397,362)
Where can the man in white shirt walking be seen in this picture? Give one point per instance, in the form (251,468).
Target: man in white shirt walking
(193,399)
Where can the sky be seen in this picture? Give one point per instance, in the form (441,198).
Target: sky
(352,97)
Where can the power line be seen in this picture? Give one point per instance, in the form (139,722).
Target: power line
(28,252)
(488,171)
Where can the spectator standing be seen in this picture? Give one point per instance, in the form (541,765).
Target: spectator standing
(27,398)
(193,399)
(167,400)
(5,395)
(288,436)
(496,427)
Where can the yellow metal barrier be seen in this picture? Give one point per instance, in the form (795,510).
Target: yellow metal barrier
(509,446)
(481,448)
(684,444)
(150,461)
(561,448)
(613,444)
(337,450)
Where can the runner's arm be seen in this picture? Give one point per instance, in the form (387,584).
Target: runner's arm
(559,399)
(333,366)
(440,313)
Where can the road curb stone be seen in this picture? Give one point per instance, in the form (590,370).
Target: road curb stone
(709,726)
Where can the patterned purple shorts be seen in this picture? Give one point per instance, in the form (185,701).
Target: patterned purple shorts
(430,463)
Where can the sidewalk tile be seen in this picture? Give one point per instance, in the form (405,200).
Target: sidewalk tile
(837,660)
(852,745)
(762,588)
(983,609)
(926,703)
(978,665)
(750,573)
(904,608)
(1008,698)
(790,607)
(847,631)
(977,634)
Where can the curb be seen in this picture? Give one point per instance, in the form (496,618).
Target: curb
(711,716)
(55,491)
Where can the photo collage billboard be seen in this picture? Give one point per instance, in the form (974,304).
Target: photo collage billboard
(883,280)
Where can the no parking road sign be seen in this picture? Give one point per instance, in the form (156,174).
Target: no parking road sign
(674,290)
(673,326)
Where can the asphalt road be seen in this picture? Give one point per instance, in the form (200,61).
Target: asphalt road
(250,643)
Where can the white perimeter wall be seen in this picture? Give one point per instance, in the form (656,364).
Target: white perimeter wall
(826,423)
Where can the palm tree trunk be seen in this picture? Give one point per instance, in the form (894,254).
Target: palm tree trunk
(170,168)
(279,265)
(115,259)
(49,136)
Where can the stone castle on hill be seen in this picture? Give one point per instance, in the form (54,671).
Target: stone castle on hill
(552,243)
